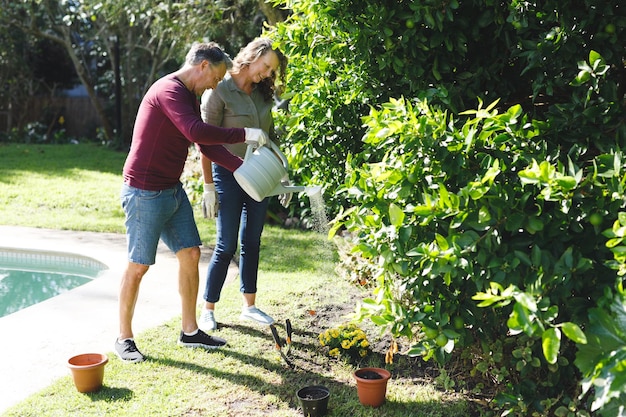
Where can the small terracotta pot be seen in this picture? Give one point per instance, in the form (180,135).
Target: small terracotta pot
(371,385)
(88,371)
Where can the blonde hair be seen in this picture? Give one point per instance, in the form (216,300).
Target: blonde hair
(253,51)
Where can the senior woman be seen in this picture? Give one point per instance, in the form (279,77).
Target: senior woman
(244,98)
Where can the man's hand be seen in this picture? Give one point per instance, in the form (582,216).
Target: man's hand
(255,137)
(210,203)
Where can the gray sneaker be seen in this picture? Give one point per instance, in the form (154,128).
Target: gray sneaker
(207,321)
(254,314)
(127,351)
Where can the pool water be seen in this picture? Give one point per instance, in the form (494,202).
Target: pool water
(29,277)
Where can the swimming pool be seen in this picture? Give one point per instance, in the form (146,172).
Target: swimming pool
(28,277)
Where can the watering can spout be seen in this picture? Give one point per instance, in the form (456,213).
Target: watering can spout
(312,192)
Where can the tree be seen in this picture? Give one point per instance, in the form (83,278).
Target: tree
(140,39)
(48,20)
(16,81)
(349,55)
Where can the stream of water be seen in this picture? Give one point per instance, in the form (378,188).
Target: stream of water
(318,209)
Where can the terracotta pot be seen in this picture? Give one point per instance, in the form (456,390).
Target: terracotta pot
(88,371)
(371,385)
(314,400)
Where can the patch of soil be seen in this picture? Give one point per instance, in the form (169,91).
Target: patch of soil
(368,374)
(333,315)
(312,393)
(310,356)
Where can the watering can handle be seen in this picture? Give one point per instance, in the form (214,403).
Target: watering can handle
(282,157)
(274,147)
(249,151)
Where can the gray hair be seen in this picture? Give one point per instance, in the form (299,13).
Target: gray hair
(207,51)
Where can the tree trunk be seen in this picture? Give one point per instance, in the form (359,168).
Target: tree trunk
(91,92)
(273,14)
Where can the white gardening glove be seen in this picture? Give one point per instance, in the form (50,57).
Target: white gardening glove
(285,198)
(255,137)
(210,203)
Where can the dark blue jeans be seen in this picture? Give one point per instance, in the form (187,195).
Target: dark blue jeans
(239,218)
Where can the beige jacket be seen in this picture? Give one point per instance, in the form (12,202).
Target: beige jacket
(228,106)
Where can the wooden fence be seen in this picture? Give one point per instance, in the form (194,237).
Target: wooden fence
(75,114)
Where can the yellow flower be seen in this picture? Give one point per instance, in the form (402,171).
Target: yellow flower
(347,339)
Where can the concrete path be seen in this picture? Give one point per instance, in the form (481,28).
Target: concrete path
(38,340)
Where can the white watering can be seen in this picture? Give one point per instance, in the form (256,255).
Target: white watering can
(262,170)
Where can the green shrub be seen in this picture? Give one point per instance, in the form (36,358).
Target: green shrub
(488,242)
(348,55)
(602,360)
(482,229)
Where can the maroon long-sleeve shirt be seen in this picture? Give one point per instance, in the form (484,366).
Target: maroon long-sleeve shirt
(168,121)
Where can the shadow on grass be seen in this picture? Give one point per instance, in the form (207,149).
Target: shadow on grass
(306,372)
(311,368)
(343,399)
(111,394)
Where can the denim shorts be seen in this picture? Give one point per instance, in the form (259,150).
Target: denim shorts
(150,215)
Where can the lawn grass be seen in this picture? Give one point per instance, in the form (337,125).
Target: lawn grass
(75,187)
(70,187)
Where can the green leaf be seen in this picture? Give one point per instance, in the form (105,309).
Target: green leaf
(483,215)
(523,257)
(526,300)
(442,242)
(593,57)
(573,332)
(477,191)
(567,183)
(582,77)
(417,350)
(383,133)
(451,334)
(551,343)
(562,411)
(396,215)
(370,304)
(534,225)
(520,319)
(423,210)
(488,299)
(379,321)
